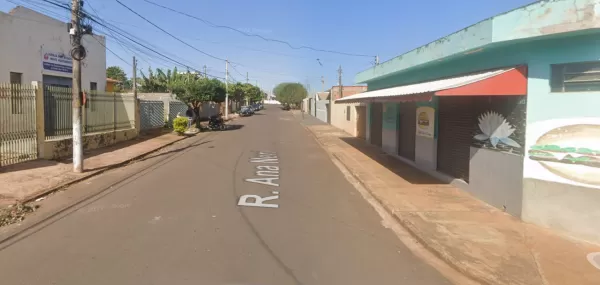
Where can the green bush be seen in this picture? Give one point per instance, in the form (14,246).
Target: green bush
(180,125)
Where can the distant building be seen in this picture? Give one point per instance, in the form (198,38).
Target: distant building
(110,84)
(36,47)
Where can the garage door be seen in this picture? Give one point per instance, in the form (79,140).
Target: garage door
(376,123)
(407,130)
(456,124)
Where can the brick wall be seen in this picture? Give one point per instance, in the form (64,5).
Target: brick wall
(347,91)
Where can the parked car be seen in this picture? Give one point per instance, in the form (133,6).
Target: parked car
(246,111)
(286,107)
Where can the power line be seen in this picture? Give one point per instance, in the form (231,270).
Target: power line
(166,32)
(255,35)
(125,61)
(146,47)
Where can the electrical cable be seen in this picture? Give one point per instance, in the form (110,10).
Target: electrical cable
(166,32)
(255,35)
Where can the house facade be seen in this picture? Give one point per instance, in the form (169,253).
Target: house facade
(36,47)
(321,110)
(507,109)
(349,117)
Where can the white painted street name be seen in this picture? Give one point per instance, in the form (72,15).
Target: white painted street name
(267,174)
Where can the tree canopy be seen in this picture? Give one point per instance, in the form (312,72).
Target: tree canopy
(290,93)
(117,73)
(196,91)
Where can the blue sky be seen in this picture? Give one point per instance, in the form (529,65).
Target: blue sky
(385,28)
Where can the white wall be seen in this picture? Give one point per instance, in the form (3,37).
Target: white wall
(25,33)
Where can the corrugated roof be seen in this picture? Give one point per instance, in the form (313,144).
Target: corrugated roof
(425,87)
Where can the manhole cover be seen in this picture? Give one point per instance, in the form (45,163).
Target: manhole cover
(594,259)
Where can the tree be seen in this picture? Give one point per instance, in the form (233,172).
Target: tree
(117,73)
(290,93)
(195,91)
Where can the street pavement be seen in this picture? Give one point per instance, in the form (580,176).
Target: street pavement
(175,218)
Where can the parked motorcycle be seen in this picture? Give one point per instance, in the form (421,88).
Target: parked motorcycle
(216,123)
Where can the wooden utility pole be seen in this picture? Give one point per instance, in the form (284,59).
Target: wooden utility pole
(77,53)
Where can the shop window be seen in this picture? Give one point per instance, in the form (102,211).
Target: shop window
(347,113)
(575,77)
(16,100)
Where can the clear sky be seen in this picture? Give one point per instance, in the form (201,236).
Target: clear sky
(385,28)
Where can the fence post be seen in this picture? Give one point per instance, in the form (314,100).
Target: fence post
(40,123)
(137,116)
(114,116)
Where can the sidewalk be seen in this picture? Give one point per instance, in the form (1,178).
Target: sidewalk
(25,181)
(480,241)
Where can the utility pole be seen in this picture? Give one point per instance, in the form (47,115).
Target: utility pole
(377,60)
(340,80)
(323,82)
(205,76)
(246,77)
(226,89)
(77,54)
(134,78)
(136,108)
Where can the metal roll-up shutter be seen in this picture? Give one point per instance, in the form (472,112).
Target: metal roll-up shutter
(407,132)
(376,123)
(457,120)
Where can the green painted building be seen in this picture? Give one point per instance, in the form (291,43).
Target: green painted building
(507,109)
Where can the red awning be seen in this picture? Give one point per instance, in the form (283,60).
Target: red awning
(506,81)
(510,83)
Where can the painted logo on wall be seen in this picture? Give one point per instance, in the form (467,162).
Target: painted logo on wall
(57,62)
(571,152)
(500,124)
(495,130)
(426,122)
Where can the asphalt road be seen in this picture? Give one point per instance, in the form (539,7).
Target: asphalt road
(174,219)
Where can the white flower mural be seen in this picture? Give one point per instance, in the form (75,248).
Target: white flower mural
(496,129)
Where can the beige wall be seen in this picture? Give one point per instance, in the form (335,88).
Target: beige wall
(339,119)
(55,149)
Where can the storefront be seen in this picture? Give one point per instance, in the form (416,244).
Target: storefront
(527,144)
(407,122)
(449,125)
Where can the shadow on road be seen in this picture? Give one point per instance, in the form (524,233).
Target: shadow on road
(161,154)
(232,128)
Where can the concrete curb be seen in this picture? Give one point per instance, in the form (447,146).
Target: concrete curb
(421,240)
(46,192)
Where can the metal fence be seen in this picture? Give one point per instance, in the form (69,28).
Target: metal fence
(18,135)
(102,113)
(176,107)
(152,114)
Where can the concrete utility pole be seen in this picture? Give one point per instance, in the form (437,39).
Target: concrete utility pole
(376,60)
(77,54)
(340,80)
(205,76)
(226,89)
(134,79)
(246,77)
